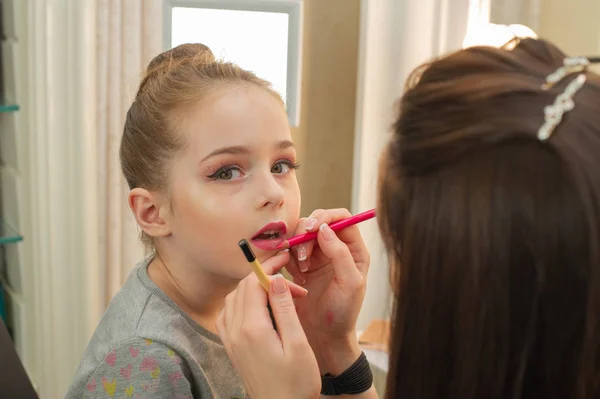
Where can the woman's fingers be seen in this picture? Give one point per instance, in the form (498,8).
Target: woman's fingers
(346,272)
(284,311)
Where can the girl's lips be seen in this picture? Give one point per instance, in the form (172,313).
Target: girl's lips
(279,227)
(270,244)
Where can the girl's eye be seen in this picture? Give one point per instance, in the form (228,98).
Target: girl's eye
(226,173)
(284,166)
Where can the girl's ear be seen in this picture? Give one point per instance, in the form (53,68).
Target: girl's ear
(146,207)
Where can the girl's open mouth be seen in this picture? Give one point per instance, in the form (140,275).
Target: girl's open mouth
(270,236)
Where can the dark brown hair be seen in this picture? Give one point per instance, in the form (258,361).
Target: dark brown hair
(493,235)
(173,80)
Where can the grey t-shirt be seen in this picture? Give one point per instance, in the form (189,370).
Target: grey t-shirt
(146,347)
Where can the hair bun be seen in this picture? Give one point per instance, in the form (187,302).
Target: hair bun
(188,51)
(160,65)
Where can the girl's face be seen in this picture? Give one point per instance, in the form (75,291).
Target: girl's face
(234,179)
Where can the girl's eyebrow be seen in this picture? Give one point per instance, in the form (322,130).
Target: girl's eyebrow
(239,149)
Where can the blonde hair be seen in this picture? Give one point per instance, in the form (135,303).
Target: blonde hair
(174,79)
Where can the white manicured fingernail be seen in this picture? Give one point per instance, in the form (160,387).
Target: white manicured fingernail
(301,252)
(302,266)
(310,224)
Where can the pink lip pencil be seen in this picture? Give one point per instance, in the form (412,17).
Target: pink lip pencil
(337,226)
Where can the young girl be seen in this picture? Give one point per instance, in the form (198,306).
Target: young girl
(209,159)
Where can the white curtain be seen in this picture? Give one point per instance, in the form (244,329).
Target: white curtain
(396,36)
(128,36)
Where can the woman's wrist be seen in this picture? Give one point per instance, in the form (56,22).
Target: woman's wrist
(334,356)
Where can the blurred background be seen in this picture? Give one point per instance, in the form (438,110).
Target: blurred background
(70,69)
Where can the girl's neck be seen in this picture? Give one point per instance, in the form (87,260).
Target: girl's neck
(201,295)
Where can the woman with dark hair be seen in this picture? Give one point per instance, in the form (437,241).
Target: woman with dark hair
(489,206)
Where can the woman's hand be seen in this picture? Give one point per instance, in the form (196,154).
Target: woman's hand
(334,270)
(275,264)
(272,364)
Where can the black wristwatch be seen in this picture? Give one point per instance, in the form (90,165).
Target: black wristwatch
(358,378)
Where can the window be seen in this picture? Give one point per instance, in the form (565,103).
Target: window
(263,36)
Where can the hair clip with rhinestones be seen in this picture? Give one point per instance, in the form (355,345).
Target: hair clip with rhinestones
(564,103)
(570,66)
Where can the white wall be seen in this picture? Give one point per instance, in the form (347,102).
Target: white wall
(573,26)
